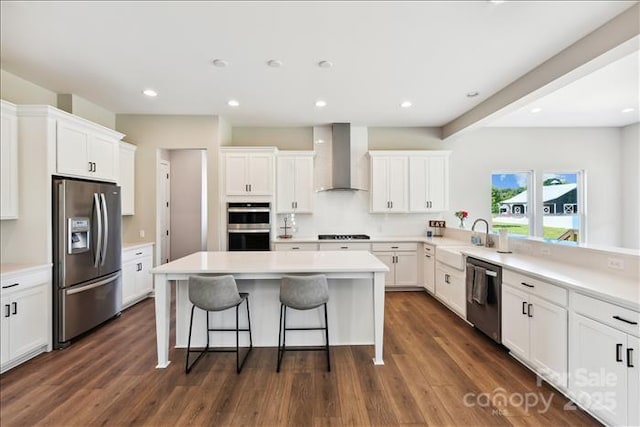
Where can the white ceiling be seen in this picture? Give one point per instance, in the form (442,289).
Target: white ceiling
(431,53)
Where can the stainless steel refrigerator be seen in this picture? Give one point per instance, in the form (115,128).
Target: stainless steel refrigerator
(87,276)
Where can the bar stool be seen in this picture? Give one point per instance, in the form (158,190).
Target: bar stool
(217,293)
(302,293)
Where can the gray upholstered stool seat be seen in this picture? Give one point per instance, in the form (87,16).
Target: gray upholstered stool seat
(217,293)
(302,293)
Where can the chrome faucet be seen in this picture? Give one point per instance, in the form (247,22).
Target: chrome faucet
(488,242)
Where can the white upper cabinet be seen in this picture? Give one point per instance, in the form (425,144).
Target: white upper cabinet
(84,151)
(126,179)
(429,182)
(9,158)
(294,176)
(389,189)
(248,172)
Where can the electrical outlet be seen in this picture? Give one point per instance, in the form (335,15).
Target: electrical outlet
(545,251)
(142,234)
(615,263)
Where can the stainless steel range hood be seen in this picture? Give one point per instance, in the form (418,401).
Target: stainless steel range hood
(341,162)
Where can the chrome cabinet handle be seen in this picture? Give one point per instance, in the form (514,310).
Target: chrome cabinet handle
(618,355)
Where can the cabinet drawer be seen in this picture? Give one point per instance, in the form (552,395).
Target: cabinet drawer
(537,287)
(344,246)
(607,313)
(296,246)
(405,246)
(129,254)
(18,281)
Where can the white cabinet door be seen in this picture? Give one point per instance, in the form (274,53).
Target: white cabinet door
(429,183)
(236,174)
(598,369)
(5,319)
(379,185)
(144,279)
(406,268)
(285,190)
(633,385)
(429,270)
(9,167)
(103,152)
(438,183)
(28,321)
(72,155)
(260,174)
(127,178)
(515,321)
(457,292)
(303,180)
(442,290)
(548,329)
(129,273)
(397,181)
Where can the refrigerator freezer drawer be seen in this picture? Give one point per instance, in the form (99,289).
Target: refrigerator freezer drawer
(103,297)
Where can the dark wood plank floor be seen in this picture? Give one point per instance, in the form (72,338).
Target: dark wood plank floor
(438,371)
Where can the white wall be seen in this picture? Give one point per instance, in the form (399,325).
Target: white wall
(20,91)
(187,201)
(631,186)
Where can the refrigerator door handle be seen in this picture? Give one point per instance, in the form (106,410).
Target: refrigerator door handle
(93,285)
(96,204)
(106,228)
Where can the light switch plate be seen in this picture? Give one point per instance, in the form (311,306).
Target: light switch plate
(615,263)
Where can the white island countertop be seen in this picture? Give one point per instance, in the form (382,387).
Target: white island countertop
(359,266)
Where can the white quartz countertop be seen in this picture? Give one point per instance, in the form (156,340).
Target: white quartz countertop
(600,284)
(136,245)
(374,239)
(13,268)
(274,261)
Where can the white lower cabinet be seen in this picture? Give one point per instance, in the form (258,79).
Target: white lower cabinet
(137,282)
(451,288)
(535,330)
(402,260)
(295,246)
(604,373)
(429,268)
(26,316)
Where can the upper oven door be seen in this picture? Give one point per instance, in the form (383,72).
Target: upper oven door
(253,215)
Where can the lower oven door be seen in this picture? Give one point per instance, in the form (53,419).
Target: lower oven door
(249,240)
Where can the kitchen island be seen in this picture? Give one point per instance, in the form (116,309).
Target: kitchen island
(356,279)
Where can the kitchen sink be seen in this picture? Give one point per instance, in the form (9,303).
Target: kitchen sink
(451,256)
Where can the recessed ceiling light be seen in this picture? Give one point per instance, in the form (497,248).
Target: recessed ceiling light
(320,141)
(629,110)
(472,94)
(233,103)
(274,63)
(496,1)
(536,110)
(220,63)
(150,93)
(320,103)
(325,64)
(406,104)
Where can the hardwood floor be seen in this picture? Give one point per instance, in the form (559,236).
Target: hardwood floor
(438,371)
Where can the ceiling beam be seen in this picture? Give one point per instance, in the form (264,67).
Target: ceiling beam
(610,42)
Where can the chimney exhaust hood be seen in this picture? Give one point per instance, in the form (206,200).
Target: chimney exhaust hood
(341,160)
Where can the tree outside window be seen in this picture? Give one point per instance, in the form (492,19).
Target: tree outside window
(511,202)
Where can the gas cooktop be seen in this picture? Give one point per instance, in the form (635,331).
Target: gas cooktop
(343,237)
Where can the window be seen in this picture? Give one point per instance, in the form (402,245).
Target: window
(563,206)
(511,202)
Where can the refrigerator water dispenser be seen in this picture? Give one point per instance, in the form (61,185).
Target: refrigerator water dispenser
(78,240)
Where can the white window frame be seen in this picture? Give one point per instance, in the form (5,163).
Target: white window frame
(531,197)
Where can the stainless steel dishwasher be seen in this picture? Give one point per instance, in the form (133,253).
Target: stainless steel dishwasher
(486,317)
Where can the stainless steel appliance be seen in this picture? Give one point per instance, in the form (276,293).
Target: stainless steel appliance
(248,226)
(87,286)
(487,317)
(343,237)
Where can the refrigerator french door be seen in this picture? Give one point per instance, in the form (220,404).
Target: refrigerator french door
(87,256)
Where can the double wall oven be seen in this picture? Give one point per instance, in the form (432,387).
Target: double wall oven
(248,226)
